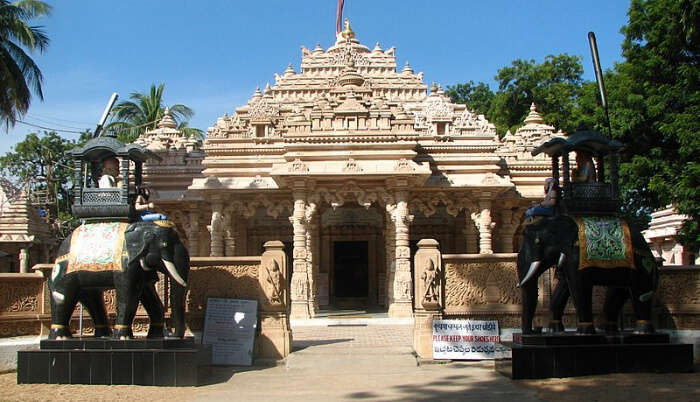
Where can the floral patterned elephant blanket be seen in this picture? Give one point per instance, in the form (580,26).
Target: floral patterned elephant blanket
(96,247)
(604,242)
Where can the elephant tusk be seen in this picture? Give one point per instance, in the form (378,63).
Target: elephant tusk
(58,297)
(530,273)
(173,273)
(143,264)
(562,258)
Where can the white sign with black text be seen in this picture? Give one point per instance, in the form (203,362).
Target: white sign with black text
(229,326)
(467,340)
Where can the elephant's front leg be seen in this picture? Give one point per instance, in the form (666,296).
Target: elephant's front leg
(615,298)
(128,289)
(529,292)
(154,307)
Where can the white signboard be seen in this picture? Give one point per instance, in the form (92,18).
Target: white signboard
(229,326)
(467,340)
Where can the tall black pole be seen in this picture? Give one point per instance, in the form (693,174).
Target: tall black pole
(599,79)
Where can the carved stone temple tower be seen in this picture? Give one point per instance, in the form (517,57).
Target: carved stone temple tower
(349,162)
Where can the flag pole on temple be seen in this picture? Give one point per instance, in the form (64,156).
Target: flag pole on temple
(339,17)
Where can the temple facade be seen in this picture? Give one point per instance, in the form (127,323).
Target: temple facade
(349,162)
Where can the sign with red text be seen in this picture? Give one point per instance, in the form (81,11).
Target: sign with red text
(467,340)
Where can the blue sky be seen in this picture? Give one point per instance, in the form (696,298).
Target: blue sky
(212,54)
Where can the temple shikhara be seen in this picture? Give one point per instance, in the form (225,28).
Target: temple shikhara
(349,161)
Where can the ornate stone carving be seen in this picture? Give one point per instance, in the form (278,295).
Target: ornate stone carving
(466,283)
(19,296)
(297,166)
(351,166)
(235,281)
(403,165)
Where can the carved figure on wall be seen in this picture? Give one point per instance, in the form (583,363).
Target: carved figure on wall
(274,279)
(430,283)
(125,257)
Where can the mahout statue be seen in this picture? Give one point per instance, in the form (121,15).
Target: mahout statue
(114,249)
(588,243)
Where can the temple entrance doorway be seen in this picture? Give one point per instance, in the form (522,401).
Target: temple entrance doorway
(350,274)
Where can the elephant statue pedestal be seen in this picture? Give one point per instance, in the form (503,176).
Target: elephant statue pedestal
(571,354)
(104,361)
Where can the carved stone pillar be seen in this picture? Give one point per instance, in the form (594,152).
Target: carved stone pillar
(485,225)
(312,260)
(401,305)
(507,231)
(193,234)
(300,279)
(470,234)
(389,252)
(230,226)
(23,261)
(216,230)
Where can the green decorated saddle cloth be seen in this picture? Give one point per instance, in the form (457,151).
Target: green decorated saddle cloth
(96,247)
(604,242)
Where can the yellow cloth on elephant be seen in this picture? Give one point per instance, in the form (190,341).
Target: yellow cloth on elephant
(96,247)
(604,242)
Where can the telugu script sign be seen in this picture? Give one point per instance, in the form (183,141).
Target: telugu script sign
(229,326)
(467,340)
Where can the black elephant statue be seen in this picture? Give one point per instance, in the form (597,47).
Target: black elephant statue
(126,257)
(587,251)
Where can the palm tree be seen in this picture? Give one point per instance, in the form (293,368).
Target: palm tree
(132,118)
(19,75)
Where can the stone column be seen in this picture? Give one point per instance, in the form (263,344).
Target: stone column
(312,259)
(470,234)
(389,252)
(401,305)
(485,225)
(23,261)
(193,234)
(230,226)
(507,231)
(428,301)
(216,229)
(300,279)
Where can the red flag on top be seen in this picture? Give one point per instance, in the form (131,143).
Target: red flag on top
(339,17)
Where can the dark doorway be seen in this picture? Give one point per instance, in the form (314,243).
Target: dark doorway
(350,269)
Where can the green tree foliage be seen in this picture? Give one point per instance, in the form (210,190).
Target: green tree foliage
(553,85)
(39,165)
(478,97)
(143,112)
(19,75)
(660,114)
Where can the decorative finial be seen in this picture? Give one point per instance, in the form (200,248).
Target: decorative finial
(167,120)
(407,68)
(533,117)
(289,70)
(377,48)
(268,90)
(347,33)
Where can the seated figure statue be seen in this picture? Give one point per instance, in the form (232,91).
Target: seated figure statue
(144,208)
(110,172)
(546,206)
(585,170)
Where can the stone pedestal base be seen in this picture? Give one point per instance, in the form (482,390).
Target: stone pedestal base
(299,310)
(400,309)
(161,362)
(546,356)
(275,340)
(423,333)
